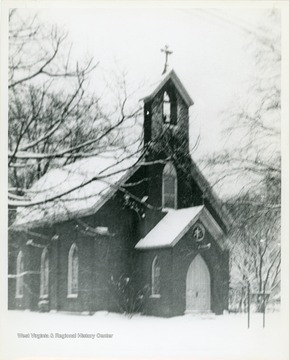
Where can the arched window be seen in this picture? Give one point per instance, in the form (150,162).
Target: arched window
(19,278)
(166,108)
(156,271)
(72,289)
(170,108)
(169,186)
(44,274)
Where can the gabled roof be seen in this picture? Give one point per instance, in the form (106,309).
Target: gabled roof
(175,224)
(156,87)
(214,200)
(109,169)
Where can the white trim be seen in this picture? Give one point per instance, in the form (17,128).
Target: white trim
(72,296)
(13,276)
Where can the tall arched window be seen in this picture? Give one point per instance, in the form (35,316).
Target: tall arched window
(72,289)
(170,108)
(44,274)
(19,278)
(169,186)
(156,272)
(166,108)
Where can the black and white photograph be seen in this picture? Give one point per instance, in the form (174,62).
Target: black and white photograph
(143,143)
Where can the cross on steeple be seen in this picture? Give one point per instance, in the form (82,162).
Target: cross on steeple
(167,53)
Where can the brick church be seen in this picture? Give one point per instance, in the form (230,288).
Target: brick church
(144,234)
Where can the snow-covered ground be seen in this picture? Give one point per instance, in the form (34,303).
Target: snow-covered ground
(196,337)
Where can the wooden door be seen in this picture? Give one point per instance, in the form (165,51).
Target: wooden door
(198,287)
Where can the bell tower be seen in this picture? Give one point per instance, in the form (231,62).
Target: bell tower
(166,114)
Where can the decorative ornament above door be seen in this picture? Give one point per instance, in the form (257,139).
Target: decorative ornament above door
(198,232)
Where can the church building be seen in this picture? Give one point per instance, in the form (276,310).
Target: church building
(132,233)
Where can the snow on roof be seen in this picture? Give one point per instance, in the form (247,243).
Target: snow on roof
(83,195)
(157,85)
(175,224)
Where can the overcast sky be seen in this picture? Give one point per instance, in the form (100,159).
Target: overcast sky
(210,52)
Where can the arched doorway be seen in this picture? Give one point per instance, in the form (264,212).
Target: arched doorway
(198,287)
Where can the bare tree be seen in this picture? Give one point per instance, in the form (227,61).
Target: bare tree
(53,117)
(253,158)
(255,246)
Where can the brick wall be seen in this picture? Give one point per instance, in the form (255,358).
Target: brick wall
(174,264)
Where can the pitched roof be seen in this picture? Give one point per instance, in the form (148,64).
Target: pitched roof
(156,87)
(175,224)
(87,183)
(213,198)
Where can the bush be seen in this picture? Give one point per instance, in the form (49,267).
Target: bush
(128,297)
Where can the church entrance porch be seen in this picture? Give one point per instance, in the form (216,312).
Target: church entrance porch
(198,287)
(192,274)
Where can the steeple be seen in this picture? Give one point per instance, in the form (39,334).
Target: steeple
(166,115)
